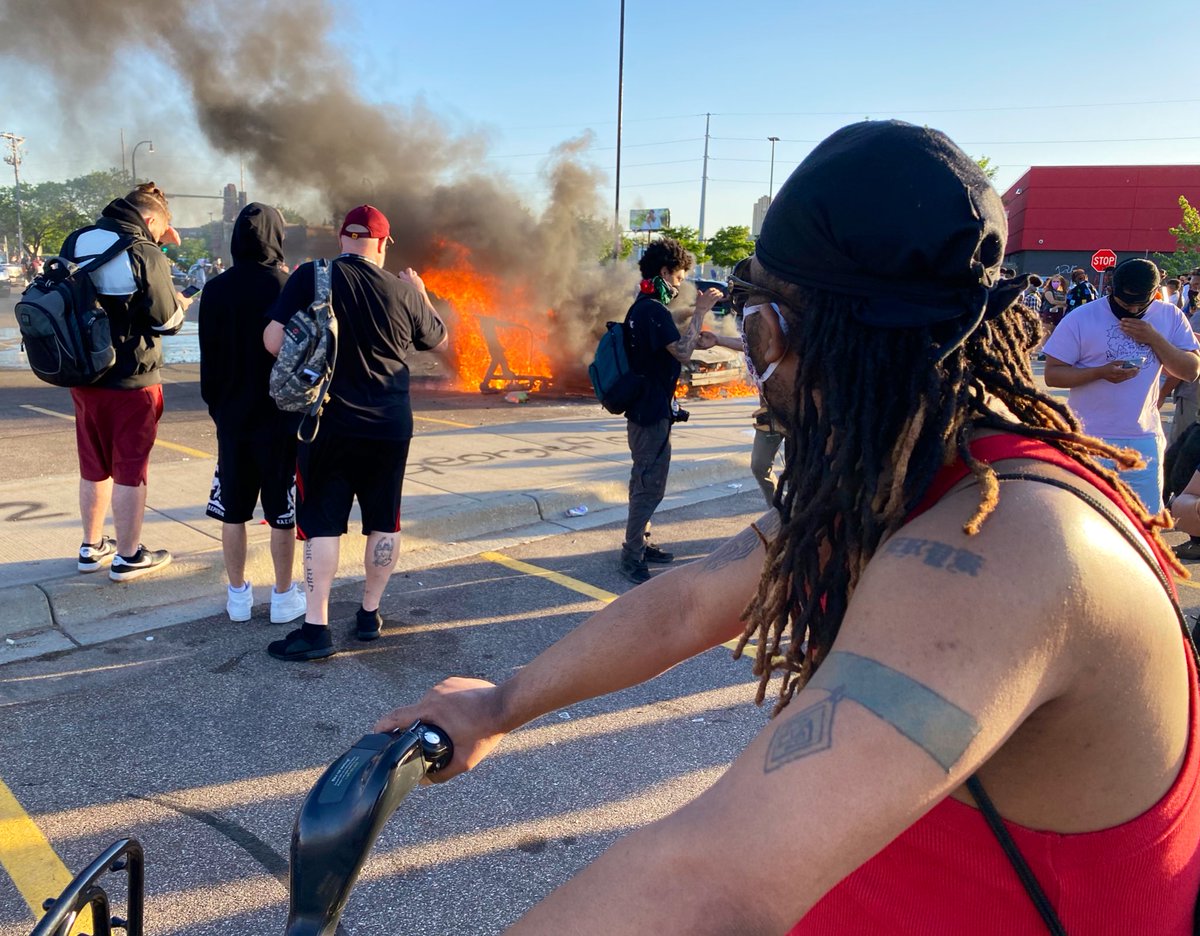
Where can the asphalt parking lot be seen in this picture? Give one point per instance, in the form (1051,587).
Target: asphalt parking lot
(203,747)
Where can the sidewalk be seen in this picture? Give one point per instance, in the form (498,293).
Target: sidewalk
(462,485)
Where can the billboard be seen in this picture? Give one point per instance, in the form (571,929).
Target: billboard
(649,219)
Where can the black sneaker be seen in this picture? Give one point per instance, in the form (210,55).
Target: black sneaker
(95,556)
(635,571)
(310,642)
(367,624)
(1189,551)
(143,562)
(654,554)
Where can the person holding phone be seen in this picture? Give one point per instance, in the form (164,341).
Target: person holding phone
(116,418)
(1110,354)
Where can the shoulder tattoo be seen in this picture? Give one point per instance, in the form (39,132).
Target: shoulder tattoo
(936,725)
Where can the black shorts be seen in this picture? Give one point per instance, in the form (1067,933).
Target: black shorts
(333,470)
(253,463)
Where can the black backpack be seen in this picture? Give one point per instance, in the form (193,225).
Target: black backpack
(66,335)
(616,384)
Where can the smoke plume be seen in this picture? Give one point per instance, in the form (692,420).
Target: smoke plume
(267,84)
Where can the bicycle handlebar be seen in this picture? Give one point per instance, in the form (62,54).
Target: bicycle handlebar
(343,815)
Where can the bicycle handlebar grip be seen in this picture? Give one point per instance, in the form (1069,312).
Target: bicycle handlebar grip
(343,815)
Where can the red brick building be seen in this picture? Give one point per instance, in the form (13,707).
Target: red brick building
(1061,215)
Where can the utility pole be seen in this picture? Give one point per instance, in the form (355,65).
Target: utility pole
(14,159)
(620,111)
(704,176)
(771,188)
(124,174)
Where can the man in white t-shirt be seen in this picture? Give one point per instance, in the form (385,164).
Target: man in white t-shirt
(1110,354)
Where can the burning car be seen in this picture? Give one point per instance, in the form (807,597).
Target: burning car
(715,372)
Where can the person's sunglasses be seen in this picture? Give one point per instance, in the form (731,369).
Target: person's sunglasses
(741,289)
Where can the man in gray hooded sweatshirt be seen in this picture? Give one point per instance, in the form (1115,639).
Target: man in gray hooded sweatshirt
(256,443)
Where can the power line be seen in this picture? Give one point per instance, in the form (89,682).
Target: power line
(998,142)
(952,110)
(598,149)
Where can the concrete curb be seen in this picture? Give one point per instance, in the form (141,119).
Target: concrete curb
(74,611)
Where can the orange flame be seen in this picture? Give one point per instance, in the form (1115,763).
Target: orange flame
(735,388)
(515,325)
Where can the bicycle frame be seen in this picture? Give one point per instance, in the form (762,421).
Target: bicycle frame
(85,891)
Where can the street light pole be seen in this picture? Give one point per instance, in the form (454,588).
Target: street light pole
(771,188)
(133,158)
(14,159)
(620,111)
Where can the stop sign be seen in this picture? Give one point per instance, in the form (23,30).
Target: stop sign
(1103,259)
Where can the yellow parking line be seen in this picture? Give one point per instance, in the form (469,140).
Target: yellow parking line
(1187,583)
(176,447)
(173,446)
(583,588)
(29,860)
(557,577)
(444,422)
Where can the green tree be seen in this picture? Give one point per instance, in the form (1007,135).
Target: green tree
(1187,242)
(292,216)
(989,168)
(190,250)
(730,244)
(52,210)
(689,238)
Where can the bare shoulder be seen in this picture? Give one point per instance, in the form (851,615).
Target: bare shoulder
(1046,570)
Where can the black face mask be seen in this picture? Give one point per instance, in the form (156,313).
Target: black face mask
(1123,313)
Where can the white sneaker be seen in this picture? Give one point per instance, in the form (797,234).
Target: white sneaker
(287,606)
(240,604)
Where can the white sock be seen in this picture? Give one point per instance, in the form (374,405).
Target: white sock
(245,585)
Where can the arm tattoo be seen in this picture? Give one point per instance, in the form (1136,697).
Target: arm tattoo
(382,555)
(683,348)
(935,554)
(939,727)
(739,547)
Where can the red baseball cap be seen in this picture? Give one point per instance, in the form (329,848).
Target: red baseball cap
(366,221)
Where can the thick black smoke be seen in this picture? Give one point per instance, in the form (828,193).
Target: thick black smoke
(268,85)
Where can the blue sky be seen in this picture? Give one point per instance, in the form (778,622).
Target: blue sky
(1024,83)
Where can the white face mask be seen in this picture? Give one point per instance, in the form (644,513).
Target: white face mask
(746,313)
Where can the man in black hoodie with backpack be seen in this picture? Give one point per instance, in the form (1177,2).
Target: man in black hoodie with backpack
(256,443)
(116,417)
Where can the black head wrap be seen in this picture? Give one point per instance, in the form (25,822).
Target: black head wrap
(900,217)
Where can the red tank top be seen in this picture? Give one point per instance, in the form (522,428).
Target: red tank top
(946,875)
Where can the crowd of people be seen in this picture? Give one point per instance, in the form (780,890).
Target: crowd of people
(306,489)
(968,737)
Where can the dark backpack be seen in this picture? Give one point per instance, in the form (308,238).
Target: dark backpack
(303,369)
(617,386)
(66,335)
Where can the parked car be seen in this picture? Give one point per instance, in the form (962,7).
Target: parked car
(722,307)
(12,278)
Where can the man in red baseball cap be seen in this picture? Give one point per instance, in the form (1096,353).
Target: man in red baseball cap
(361,448)
(366,222)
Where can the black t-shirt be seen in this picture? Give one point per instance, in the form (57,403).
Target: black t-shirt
(650,329)
(381,319)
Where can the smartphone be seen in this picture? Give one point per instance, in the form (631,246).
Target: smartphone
(190,291)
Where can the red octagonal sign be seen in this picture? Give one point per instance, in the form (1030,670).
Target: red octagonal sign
(1103,259)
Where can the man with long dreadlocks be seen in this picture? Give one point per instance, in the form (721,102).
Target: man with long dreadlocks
(975,617)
